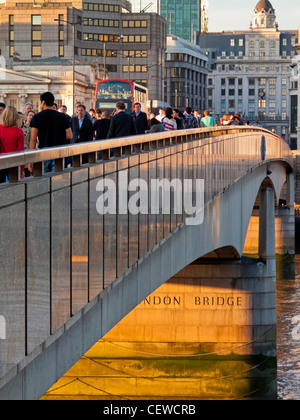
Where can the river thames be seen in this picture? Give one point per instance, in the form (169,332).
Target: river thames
(288,339)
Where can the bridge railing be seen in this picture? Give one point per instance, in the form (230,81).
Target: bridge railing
(124,146)
(60,248)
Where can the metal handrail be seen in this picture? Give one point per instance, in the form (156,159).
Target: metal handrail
(13,161)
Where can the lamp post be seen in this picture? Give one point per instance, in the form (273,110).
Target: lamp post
(73,60)
(162,79)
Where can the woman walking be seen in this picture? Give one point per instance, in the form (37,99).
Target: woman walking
(11,136)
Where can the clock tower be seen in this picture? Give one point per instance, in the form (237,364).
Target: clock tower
(264,16)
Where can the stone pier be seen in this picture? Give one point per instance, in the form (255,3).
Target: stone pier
(208,333)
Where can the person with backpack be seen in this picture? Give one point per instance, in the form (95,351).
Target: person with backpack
(190,120)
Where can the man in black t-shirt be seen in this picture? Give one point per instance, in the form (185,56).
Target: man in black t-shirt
(50,128)
(101,127)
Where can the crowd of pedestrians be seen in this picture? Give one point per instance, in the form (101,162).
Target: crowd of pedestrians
(53,127)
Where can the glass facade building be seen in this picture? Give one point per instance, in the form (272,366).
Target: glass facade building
(183,17)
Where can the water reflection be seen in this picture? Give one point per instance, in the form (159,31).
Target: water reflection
(288,344)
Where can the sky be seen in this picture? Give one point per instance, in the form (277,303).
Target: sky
(234,15)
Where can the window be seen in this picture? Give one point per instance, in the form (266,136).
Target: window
(241,42)
(134,24)
(232,42)
(134,38)
(284,42)
(36,51)
(96,52)
(36,20)
(101,7)
(11,20)
(137,68)
(272,115)
(101,22)
(262,103)
(36,35)
(272,103)
(136,54)
(177,72)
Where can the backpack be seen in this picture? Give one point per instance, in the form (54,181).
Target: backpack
(190,121)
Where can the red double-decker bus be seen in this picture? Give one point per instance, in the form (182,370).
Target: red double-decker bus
(110,91)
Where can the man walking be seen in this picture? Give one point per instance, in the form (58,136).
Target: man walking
(121,124)
(140,118)
(190,120)
(207,120)
(82,126)
(50,128)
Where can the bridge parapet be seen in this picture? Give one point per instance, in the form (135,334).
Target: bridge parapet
(60,252)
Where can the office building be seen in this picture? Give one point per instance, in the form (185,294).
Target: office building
(183,17)
(101,33)
(250,71)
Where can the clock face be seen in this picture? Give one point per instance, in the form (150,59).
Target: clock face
(262,93)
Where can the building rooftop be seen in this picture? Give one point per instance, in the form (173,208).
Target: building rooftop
(264,5)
